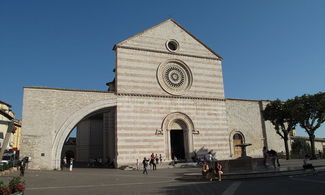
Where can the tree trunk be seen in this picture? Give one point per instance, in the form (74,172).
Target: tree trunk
(286,147)
(312,145)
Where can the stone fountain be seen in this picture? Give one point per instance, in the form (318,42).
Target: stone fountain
(244,162)
(243,151)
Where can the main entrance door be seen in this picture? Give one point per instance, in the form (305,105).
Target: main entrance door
(177,144)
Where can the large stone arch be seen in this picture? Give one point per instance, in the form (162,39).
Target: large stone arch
(188,135)
(70,123)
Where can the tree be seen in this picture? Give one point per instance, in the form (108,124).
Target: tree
(300,147)
(311,114)
(280,114)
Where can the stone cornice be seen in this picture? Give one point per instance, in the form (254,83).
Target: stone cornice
(63,89)
(174,97)
(167,52)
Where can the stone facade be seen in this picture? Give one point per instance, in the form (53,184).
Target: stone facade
(168,86)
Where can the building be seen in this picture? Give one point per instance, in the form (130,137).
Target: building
(7,115)
(167,97)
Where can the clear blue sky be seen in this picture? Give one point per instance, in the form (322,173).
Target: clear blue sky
(271,49)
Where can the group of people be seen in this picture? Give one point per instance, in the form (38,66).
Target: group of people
(270,155)
(212,169)
(67,163)
(152,161)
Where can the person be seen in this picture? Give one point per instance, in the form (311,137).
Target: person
(307,164)
(157,159)
(145,165)
(65,163)
(152,161)
(264,155)
(219,170)
(160,158)
(22,165)
(209,159)
(71,164)
(274,157)
(152,156)
(211,170)
(205,169)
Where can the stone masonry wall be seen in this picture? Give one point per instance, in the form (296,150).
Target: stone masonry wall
(44,112)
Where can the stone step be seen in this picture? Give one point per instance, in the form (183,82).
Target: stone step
(254,174)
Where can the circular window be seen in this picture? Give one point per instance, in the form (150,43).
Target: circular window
(172,45)
(174,77)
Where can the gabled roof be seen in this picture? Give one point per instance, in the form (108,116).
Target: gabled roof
(168,20)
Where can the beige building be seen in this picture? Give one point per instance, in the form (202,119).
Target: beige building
(6,114)
(167,98)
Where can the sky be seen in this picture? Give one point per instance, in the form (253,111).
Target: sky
(270,49)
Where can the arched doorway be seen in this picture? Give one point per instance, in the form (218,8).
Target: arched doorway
(71,122)
(177,141)
(237,139)
(92,140)
(178,128)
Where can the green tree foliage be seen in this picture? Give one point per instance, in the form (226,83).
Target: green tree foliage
(280,114)
(300,147)
(310,114)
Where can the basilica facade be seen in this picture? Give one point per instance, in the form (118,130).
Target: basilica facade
(167,98)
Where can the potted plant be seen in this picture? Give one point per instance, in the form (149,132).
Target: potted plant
(17,186)
(4,189)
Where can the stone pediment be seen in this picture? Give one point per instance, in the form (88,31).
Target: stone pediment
(157,38)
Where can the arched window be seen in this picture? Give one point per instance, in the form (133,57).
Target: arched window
(237,139)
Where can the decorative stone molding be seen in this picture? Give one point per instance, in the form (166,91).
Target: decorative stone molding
(159,132)
(188,127)
(167,96)
(232,133)
(167,52)
(195,131)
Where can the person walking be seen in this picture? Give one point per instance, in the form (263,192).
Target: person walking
(145,165)
(22,165)
(71,164)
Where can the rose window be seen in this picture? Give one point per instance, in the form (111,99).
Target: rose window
(174,77)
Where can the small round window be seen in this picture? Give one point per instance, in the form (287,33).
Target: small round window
(172,45)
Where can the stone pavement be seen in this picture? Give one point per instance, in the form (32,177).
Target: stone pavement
(98,181)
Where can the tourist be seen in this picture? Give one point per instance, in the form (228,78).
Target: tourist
(152,162)
(219,170)
(22,165)
(307,164)
(274,157)
(211,171)
(205,169)
(157,159)
(209,159)
(145,165)
(65,163)
(71,164)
